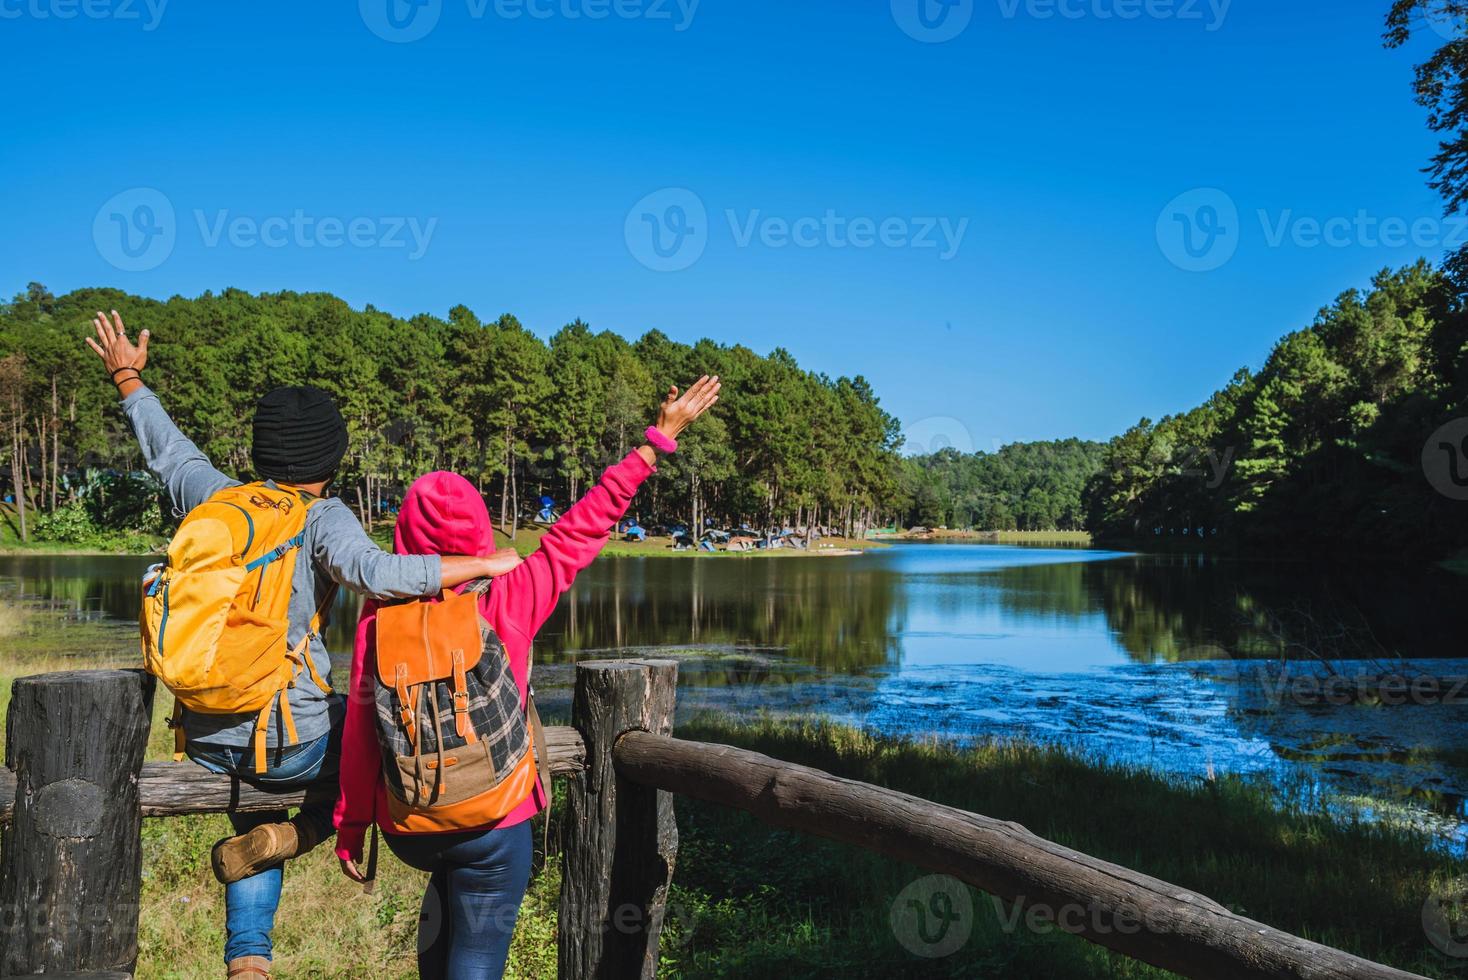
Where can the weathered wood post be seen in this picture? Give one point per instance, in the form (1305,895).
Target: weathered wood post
(71,857)
(619,839)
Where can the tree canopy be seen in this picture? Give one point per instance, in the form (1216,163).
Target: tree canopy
(1325,447)
(519,416)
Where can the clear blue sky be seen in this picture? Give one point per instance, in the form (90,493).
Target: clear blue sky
(1053,142)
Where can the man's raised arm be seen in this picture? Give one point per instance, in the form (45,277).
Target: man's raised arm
(184,469)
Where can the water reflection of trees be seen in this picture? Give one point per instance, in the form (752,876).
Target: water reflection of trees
(826,612)
(1173,608)
(87,585)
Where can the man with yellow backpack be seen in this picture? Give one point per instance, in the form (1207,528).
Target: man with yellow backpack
(232,621)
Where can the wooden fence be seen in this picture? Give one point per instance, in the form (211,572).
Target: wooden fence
(76,789)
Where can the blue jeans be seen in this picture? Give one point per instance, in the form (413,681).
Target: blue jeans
(473,898)
(250,903)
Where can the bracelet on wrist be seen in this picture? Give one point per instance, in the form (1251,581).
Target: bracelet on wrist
(660,442)
(127,367)
(137,376)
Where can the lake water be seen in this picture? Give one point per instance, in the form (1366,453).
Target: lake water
(1169,662)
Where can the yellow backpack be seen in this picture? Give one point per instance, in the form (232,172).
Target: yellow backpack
(215,615)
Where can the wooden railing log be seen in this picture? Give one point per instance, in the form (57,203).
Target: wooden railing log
(619,838)
(1124,910)
(171,789)
(71,859)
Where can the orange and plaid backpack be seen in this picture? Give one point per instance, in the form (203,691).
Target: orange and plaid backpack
(458,752)
(215,615)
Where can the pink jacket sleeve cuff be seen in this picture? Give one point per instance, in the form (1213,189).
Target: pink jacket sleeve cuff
(349,843)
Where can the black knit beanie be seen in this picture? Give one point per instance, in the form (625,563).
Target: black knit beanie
(299,436)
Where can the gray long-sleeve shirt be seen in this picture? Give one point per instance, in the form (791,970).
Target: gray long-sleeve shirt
(338,550)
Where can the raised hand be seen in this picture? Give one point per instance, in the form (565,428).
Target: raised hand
(675,414)
(114,347)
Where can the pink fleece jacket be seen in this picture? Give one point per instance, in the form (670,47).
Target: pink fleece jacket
(444,515)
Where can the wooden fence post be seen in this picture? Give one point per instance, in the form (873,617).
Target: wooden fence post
(620,839)
(71,858)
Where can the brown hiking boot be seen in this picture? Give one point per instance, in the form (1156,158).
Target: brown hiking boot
(248,968)
(267,845)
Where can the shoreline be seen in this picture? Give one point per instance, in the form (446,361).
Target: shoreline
(523,542)
(941,535)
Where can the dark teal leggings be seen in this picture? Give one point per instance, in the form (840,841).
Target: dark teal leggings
(473,898)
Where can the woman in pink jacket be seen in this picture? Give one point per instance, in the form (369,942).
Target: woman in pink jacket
(479,876)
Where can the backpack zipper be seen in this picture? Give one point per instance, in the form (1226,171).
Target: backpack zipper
(163,621)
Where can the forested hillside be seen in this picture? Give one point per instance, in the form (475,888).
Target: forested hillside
(1033,486)
(1325,447)
(519,416)
(1345,440)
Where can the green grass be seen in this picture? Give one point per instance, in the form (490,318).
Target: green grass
(751,901)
